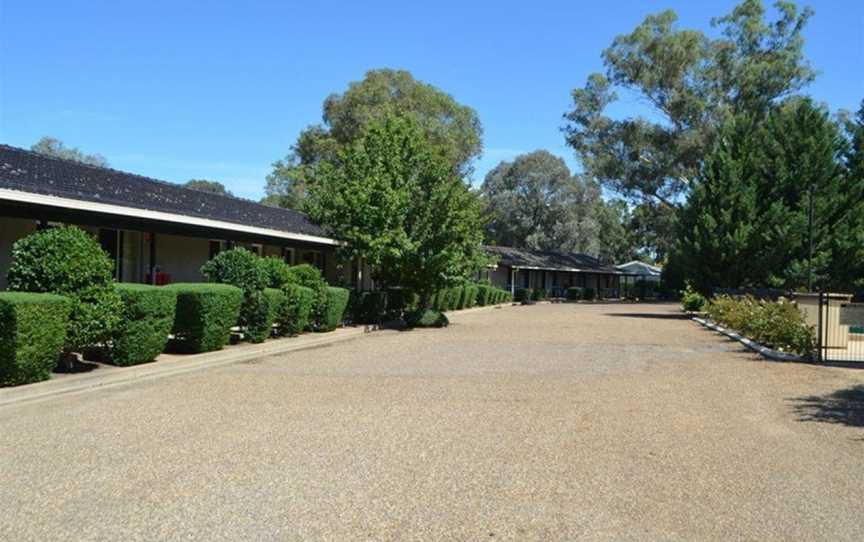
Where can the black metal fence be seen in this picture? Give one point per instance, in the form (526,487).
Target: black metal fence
(840,329)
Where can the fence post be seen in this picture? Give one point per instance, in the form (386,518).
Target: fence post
(820,327)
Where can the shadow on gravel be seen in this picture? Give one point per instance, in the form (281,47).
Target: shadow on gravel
(844,406)
(650,315)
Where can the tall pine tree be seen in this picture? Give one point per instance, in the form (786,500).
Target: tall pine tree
(747,222)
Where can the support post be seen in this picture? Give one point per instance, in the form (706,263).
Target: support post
(152,258)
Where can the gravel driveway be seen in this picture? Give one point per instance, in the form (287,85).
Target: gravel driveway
(551,422)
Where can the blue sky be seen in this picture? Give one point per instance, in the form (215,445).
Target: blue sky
(220,90)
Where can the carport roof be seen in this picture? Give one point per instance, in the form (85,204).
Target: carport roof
(546,260)
(33,173)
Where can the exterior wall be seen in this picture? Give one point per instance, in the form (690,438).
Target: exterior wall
(181,257)
(11,229)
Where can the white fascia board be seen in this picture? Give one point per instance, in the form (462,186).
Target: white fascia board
(108,208)
(567,270)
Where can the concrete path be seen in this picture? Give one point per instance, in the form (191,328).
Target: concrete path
(551,422)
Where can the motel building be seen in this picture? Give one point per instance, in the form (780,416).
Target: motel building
(553,271)
(156,232)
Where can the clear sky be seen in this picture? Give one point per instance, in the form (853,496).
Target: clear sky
(219,90)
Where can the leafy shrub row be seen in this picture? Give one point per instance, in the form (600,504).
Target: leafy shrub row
(777,324)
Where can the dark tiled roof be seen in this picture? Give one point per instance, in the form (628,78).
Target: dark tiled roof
(37,173)
(548,260)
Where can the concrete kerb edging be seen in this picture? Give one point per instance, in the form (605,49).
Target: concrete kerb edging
(752,345)
(182,364)
(82,383)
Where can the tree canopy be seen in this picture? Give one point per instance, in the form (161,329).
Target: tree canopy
(394,198)
(54,147)
(535,202)
(452,128)
(208,186)
(747,220)
(692,84)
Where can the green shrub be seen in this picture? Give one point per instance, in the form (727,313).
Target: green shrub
(337,300)
(306,275)
(484,293)
(691,300)
(255,316)
(32,334)
(68,261)
(401,301)
(243,269)
(427,318)
(459,296)
(777,324)
(369,307)
(237,267)
(575,293)
(276,271)
(205,315)
(277,301)
(539,294)
(295,316)
(453,295)
(524,295)
(470,293)
(148,315)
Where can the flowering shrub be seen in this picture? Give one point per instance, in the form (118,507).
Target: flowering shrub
(776,324)
(691,300)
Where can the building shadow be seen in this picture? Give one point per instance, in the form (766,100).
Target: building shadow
(845,406)
(650,315)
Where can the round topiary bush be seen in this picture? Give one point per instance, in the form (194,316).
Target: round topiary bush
(241,268)
(68,261)
(277,272)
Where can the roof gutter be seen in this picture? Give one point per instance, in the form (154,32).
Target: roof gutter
(109,208)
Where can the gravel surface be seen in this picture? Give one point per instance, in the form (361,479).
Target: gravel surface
(551,422)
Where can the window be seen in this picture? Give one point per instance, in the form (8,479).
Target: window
(288,255)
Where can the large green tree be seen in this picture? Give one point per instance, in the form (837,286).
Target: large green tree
(691,84)
(747,222)
(536,202)
(452,128)
(396,201)
(54,147)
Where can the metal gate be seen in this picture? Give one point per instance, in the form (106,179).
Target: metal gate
(840,329)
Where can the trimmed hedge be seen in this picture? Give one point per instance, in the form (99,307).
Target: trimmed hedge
(337,301)
(539,294)
(32,332)
(427,318)
(256,316)
(148,315)
(588,294)
(205,315)
(484,294)
(276,301)
(294,318)
(242,268)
